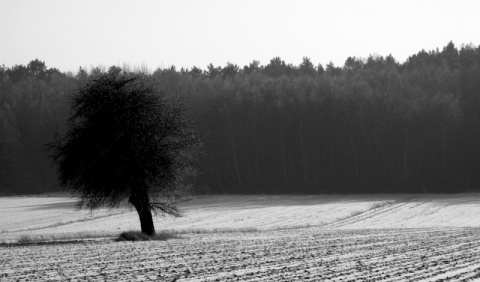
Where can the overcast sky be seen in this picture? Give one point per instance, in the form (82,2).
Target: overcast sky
(67,34)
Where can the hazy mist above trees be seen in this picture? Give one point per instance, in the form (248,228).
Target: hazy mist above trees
(373,125)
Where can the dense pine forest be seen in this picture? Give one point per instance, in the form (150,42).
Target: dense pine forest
(372,126)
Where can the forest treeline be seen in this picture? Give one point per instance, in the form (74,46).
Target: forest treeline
(372,126)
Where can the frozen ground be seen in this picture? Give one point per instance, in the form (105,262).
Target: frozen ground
(281,238)
(305,254)
(57,215)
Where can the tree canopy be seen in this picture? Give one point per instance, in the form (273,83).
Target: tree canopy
(373,125)
(126,141)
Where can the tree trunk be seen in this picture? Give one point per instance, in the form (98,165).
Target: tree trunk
(142,205)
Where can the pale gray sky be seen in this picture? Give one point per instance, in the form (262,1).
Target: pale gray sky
(68,34)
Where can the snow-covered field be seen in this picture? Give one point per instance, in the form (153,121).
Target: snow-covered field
(256,238)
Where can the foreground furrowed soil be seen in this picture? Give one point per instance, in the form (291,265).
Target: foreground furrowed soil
(304,254)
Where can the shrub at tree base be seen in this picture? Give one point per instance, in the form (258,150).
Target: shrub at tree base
(139,236)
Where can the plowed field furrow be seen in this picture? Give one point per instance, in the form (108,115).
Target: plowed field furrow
(307,254)
(369,214)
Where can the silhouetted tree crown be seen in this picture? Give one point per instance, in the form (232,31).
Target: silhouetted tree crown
(125,141)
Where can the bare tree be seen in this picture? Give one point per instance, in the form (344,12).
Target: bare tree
(126,141)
